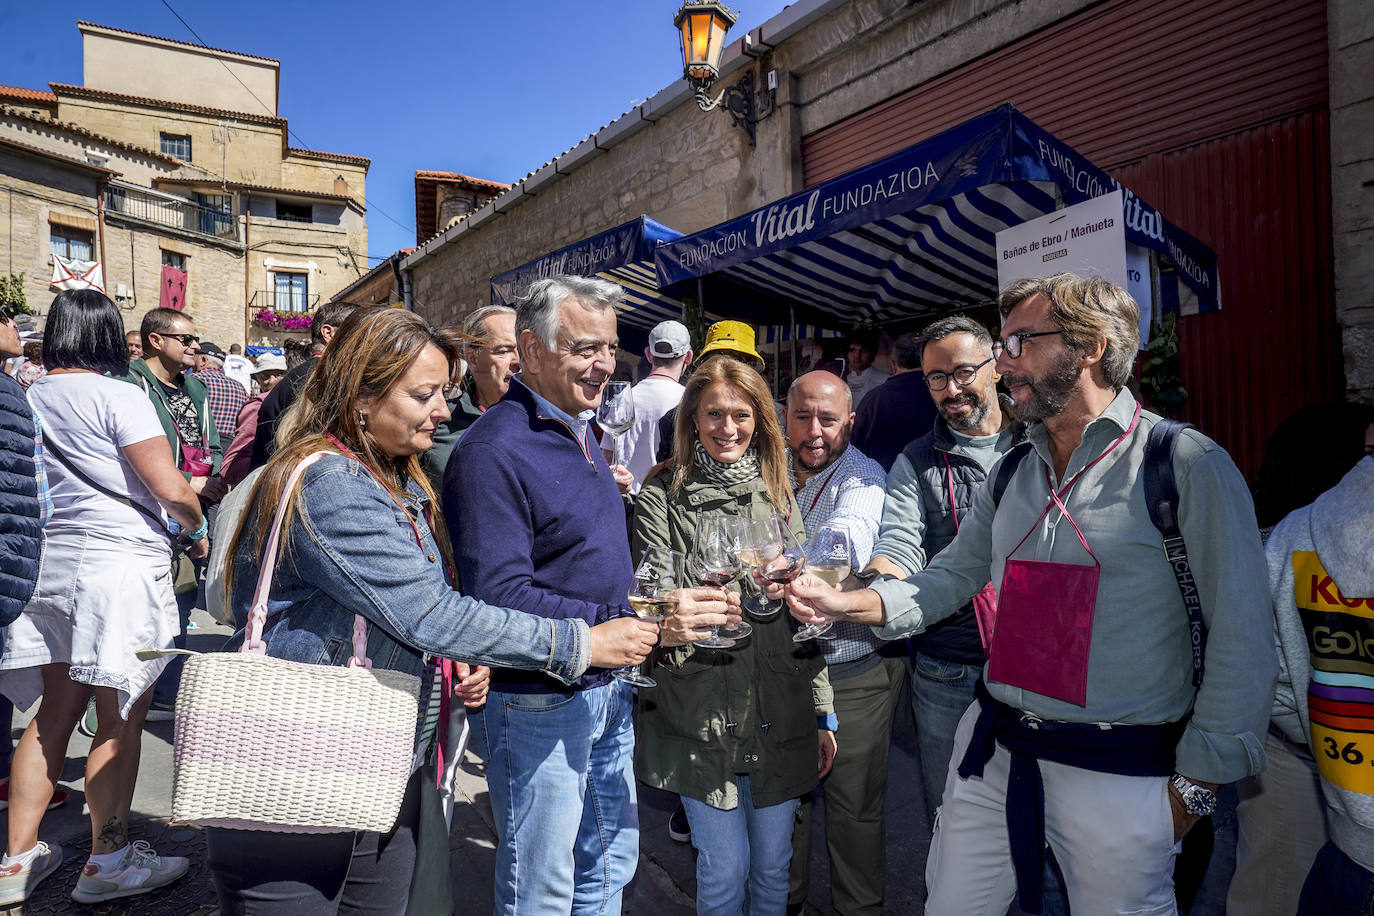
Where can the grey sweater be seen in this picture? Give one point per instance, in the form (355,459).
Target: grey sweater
(1321,571)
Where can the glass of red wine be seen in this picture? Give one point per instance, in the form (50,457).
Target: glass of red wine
(714,560)
(784,567)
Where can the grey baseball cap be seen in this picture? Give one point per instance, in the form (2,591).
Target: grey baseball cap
(669,340)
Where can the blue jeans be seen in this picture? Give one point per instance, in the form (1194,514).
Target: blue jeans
(560,770)
(743,849)
(1337,885)
(941,692)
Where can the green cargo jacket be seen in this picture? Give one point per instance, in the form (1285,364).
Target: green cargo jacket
(717,714)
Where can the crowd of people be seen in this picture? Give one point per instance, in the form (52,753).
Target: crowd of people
(1071,595)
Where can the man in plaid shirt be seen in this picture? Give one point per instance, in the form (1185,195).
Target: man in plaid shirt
(838,484)
(227,396)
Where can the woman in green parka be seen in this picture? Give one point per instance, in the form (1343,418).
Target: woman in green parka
(741,733)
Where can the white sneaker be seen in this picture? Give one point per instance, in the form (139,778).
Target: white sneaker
(141,870)
(18,881)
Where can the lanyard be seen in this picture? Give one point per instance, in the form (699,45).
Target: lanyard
(817,498)
(1057,498)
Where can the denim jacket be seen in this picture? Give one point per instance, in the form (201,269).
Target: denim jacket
(351,550)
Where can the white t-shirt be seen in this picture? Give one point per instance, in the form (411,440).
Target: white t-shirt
(653,397)
(90,418)
(240,369)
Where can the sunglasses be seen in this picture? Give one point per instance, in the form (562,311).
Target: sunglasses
(186,339)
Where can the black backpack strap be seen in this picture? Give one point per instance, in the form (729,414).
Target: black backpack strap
(1006,469)
(1161,499)
(49,446)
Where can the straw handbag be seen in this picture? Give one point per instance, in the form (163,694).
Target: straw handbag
(268,744)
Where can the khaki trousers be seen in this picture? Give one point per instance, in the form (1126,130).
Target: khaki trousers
(855,792)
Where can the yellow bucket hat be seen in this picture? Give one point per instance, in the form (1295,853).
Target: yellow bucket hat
(730,336)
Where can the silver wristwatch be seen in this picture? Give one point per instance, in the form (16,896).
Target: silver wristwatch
(1197,800)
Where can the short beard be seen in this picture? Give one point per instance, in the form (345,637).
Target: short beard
(1050,393)
(830,458)
(974,418)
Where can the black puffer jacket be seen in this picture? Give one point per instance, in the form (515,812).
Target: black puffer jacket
(21,535)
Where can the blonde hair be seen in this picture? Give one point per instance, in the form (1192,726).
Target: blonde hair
(767,439)
(1083,309)
(373,349)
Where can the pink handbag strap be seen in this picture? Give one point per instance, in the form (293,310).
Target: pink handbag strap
(257,616)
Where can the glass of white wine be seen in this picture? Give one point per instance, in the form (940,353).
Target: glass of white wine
(657,577)
(616,415)
(829,551)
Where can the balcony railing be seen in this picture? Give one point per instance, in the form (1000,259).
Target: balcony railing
(176,214)
(283,300)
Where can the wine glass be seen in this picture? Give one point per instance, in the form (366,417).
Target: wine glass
(829,552)
(657,576)
(616,414)
(714,560)
(784,566)
(760,542)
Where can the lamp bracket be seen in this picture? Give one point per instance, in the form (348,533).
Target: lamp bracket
(745,106)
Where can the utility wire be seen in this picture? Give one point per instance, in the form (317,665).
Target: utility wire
(371,204)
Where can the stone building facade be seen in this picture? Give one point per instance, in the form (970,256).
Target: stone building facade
(854,74)
(202,180)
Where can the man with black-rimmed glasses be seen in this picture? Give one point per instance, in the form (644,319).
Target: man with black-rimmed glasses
(929,489)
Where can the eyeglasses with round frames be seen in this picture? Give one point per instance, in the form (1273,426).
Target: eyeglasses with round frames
(963,375)
(185,339)
(1012,343)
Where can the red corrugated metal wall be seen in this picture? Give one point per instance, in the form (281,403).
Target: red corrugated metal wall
(1214,112)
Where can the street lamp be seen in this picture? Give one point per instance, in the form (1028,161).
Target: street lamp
(703,24)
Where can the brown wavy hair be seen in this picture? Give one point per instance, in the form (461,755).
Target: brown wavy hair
(767,438)
(366,358)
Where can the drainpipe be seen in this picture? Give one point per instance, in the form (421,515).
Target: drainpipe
(247,268)
(402,280)
(100,184)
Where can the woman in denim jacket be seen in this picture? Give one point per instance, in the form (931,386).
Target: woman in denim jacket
(363,535)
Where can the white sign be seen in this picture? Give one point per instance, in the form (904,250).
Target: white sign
(1085,239)
(1088,239)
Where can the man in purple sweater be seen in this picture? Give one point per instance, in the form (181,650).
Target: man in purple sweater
(538,524)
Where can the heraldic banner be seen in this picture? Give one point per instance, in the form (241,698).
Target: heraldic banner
(69,273)
(173,289)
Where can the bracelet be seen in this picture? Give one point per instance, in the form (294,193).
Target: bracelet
(202,531)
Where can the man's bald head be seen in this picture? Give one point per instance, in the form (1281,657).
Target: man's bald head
(821,383)
(820,416)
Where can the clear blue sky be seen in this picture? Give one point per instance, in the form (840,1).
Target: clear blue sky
(489,89)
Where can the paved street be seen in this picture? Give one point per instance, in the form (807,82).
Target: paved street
(664,886)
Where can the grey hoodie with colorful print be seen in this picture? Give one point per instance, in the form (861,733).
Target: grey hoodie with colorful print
(1321,571)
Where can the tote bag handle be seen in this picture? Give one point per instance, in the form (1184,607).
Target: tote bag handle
(257,616)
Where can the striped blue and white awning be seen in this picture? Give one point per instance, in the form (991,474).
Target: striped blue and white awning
(624,255)
(782,333)
(914,233)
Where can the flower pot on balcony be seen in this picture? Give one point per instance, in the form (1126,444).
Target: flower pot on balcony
(279,320)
